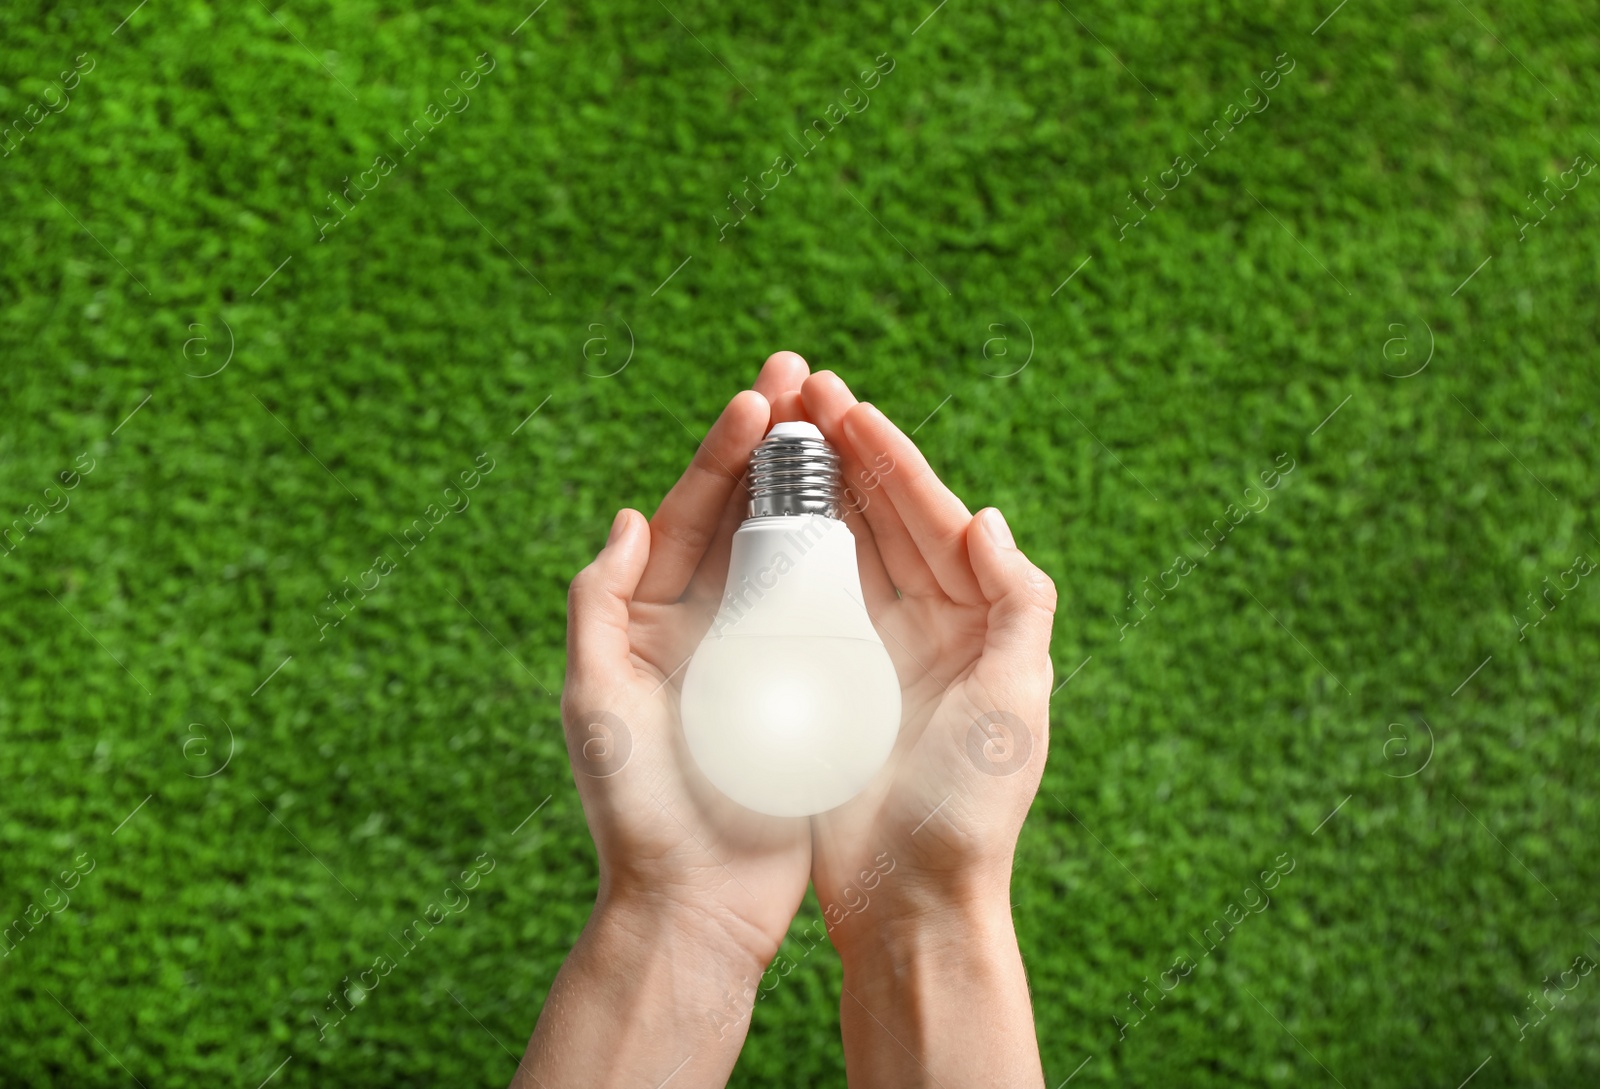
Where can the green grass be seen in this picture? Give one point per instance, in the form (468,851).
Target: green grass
(1188,753)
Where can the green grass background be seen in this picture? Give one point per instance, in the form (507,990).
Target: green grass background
(1178,363)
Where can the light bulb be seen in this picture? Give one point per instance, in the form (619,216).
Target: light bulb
(791,704)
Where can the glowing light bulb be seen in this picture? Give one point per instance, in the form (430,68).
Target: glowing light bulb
(791,704)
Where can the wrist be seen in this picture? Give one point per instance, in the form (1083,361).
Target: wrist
(947,983)
(649,982)
(728,949)
(946,931)
(918,914)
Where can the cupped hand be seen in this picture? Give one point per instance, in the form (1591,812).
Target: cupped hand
(668,841)
(969,634)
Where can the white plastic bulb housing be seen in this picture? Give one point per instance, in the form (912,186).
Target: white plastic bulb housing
(790,704)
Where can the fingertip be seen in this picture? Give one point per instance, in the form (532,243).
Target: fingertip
(624,525)
(783,371)
(626,551)
(619,526)
(829,380)
(624,536)
(1003,571)
(994,524)
(610,567)
(751,412)
(992,551)
(747,399)
(820,396)
(787,408)
(991,548)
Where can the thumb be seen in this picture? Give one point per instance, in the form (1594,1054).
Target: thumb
(1022,598)
(597,603)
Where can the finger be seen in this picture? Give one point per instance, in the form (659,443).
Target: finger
(783,371)
(829,401)
(868,512)
(712,575)
(597,607)
(877,588)
(687,519)
(787,407)
(779,382)
(875,584)
(935,519)
(1022,601)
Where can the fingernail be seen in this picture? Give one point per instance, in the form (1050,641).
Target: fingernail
(616,527)
(995,523)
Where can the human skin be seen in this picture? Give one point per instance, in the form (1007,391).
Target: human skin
(934,989)
(695,892)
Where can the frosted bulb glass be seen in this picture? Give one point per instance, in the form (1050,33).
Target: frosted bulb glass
(791,704)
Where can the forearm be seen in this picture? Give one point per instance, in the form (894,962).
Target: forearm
(645,994)
(939,999)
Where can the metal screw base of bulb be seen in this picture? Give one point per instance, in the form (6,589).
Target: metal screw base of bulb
(795,474)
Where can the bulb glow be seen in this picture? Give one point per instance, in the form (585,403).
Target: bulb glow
(791,704)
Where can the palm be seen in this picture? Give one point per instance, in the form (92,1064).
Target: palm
(637,614)
(750,867)
(926,789)
(971,744)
